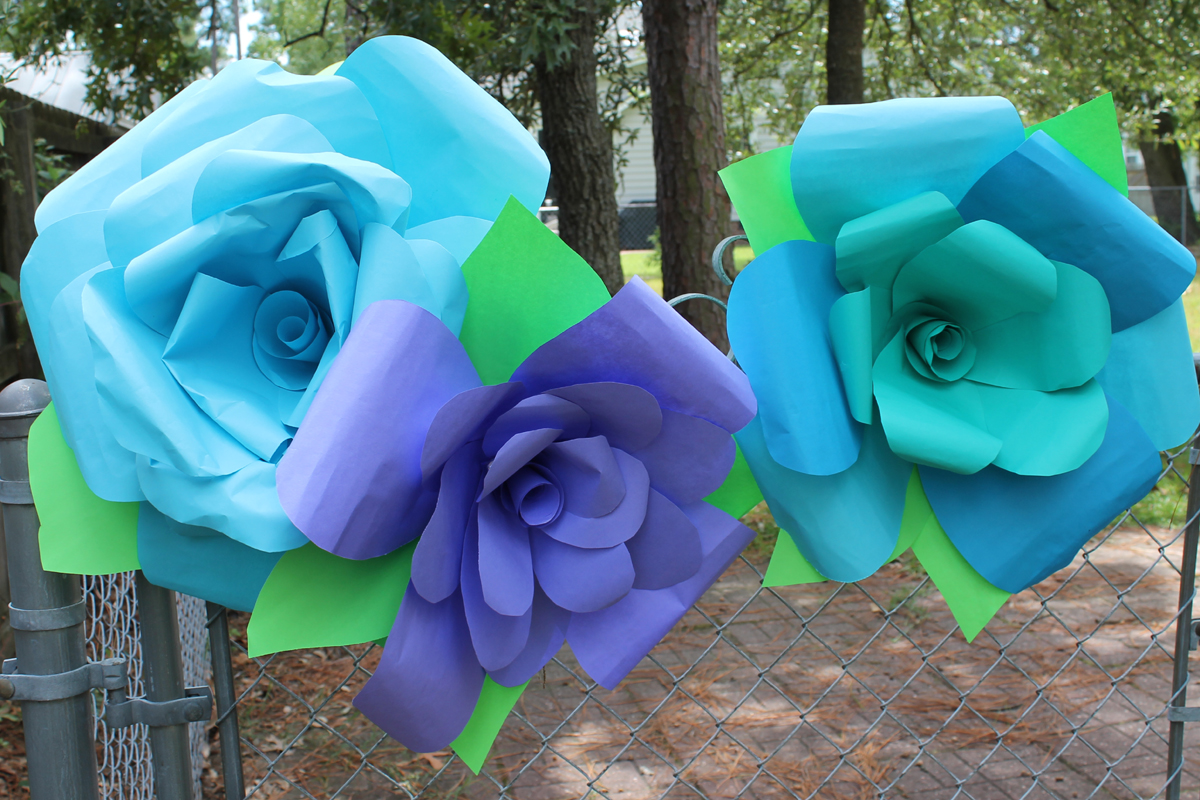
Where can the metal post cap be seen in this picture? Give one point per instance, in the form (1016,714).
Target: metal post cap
(26,397)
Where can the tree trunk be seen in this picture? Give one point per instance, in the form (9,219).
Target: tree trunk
(18,202)
(580,150)
(1164,172)
(689,148)
(844,50)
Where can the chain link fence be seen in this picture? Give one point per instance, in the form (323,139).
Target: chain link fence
(112,630)
(863,690)
(638,224)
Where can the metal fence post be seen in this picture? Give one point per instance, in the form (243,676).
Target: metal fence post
(227,722)
(162,671)
(47,614)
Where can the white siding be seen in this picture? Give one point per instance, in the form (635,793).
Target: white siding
(635,182)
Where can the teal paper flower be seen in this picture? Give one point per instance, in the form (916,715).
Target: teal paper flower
(974,299)
(191,286)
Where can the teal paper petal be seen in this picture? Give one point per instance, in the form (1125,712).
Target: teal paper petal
(1016,529)
(1063,346)
(1045,433)
(459,235)
(851,331)
(462,152)
(1057,204)
(930,422)
(200,562)
(979,274)
(1150,372)
(873,248)
(848,161)
(846,525)
(778,325)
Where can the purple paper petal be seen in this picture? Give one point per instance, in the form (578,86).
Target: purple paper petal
(628,416)
(435,564)
(498,639)
(428,680)
(690,458)
(666,550)
(579,579)
(505,564)
(351,480)
(638,339)
(539,411)
(535,496)
(462,419)
(514,454)
(614,528)
(547,632)
(589,475)
(611,642)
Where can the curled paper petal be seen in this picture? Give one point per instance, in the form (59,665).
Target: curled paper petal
(848,161)
(497,638)
(779,328)
(439,554)
(578,579)
(1054,202)
(636,339)
(1056,514)
(352,478)
(689,459)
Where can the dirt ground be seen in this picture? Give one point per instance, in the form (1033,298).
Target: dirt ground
(824,690)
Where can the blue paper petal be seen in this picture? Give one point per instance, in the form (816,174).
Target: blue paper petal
(59,265)
(579,579)
(129,368)
(428,679)
(160,206)
(547,632)
(779,328)
(1151,373)
(690,458)
(200,561)
(611,642)
(462,151)
(94,185)
(497,638)
(243,505)
(1056,203)
(846,524)
(246,91)
(460,235)
(1015,529)
(437,561)
(851,160)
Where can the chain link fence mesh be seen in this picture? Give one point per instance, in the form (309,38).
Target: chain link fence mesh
(864,690)
(112,631)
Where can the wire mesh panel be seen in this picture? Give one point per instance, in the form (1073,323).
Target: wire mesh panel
(824,690)
(123,754)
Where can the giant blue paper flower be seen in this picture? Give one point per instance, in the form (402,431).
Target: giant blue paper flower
(978,301)
(190,287)
(566,503)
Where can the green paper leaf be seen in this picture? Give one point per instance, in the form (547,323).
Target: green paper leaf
(917,513)
(1091,133)
(81,533)
(761,190)
(316,599)
(972,600)
(739,493)
(526,287)
(495,703)
(788,567)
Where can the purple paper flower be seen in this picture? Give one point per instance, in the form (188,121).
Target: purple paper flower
(565,504)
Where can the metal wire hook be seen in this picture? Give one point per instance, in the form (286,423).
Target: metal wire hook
(718,256)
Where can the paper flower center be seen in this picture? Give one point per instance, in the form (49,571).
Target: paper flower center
(533,494)
(290,335)
(938,349)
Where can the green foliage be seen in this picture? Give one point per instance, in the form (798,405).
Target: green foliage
(1044,56)
(141,50)
(51,166)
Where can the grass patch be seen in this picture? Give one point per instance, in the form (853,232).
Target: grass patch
(1191,307)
